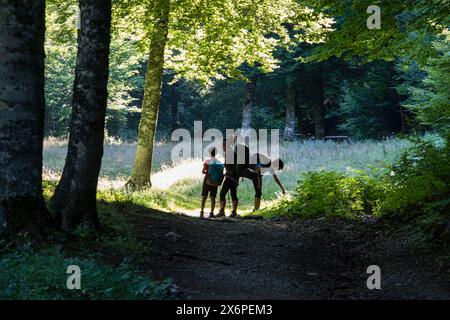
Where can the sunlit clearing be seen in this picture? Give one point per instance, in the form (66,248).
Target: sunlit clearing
(191,168)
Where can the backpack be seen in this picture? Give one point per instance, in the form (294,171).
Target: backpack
(215,173)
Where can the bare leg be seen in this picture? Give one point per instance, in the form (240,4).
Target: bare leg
(213,204)
(222,209)
(235,205)
(257,204)
(202,206)
(234,212)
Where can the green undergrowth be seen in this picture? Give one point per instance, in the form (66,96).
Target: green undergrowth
(415,190)
(331,194)
(27,274)
(109,260)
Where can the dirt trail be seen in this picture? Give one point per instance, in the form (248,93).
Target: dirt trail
(285,259)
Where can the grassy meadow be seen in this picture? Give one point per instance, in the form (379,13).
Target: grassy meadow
(182,180)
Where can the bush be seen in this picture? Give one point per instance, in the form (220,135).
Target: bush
(332,194)
(416,190)
(421,191)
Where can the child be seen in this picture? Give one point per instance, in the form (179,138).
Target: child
(213,171)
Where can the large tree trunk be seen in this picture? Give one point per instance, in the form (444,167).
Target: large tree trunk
(291,118)
(249,97)
(22,109)
(74,201)
(140,176)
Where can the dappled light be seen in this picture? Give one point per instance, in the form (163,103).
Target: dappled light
(229,150)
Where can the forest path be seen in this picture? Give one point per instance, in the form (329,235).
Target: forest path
(284,259)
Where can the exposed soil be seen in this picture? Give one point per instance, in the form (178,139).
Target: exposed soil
(287,259)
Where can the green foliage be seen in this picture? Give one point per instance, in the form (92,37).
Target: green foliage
(116,234)
(107,259)
(126,72)
(415,189)
(112,201)
(421,181)
(26,274)
(332,194)
(430,100)
(59,71)
(406,28)
(212,39)
(204,44)
(369,107)
(126,78)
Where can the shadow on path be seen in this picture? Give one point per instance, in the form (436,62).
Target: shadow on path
(284,259)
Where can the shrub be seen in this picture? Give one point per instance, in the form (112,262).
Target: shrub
(417,190)
(421,189)
(332,194)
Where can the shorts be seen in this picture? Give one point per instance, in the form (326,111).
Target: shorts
(206,188)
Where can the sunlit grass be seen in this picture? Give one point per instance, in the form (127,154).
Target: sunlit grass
(180,183)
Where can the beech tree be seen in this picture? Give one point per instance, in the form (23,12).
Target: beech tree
(140,176)
(291,105)
(209,40)
(22,109)
(249,97)
(74,201)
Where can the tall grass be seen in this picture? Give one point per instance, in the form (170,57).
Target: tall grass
(182,181)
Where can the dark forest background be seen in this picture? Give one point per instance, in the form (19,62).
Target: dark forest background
(364,100)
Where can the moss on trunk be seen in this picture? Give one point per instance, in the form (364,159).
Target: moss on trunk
(140,177)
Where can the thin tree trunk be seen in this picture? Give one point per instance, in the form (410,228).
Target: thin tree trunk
(291,118)
(247,112)
(140,176)
(74,201)
(300,116)
(22,110)
(174,114)
(319,111)
(174,107)
(319,121)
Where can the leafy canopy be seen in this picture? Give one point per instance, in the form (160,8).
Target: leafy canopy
(406,28)
(212,39)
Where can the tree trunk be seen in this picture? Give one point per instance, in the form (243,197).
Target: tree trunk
(247,112)
(174,115)
(291,118)
(140,176)
(74,201)
(174,107)
(319,121)
(301,119)
(319,110)
(22,110)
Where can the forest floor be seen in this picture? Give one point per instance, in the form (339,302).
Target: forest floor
(287,259)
